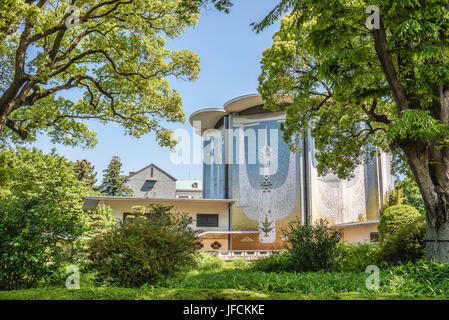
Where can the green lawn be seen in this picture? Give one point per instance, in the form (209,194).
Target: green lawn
(187,294)
(234,281)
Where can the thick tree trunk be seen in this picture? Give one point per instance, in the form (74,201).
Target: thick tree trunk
(437,245)
(431,171)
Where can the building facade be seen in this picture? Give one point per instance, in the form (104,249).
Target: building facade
(253,186)
(153,182)
(246,159)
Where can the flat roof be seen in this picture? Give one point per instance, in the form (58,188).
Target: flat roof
(355,224)
(91,202)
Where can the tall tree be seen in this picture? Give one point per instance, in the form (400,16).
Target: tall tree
(113,181)
(364,82)
(111,52)
(85,172)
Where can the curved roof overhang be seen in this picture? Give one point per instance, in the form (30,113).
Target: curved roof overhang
(242,103)
(208,118)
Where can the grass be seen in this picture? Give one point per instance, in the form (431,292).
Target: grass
(108,293)
(215,280)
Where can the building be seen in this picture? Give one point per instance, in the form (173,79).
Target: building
(189,189)
(246,159)
(153,182)
(254,186)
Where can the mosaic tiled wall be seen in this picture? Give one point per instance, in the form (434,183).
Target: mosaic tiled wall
(266,185)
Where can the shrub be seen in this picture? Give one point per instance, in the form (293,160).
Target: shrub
(40,214)
(394,217)
(140,250)
(33,233)
(205,261)
(357,257)
(312,248)
(277,262)
(406,244)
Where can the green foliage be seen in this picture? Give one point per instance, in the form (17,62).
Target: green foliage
(191,294)
(138,211)
(240,264)
(393,197)
(141,250)
(312,248)
(358,90)
(417,126)
(85,172)
(41,213)
(412,195)
(357,257)
(305,282)
(394,217)
(100,221)
(113,181)
(421,280)
(277,262)
(205,261)
(406,244)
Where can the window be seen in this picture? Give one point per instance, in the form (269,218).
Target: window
(374,236)
(207,220)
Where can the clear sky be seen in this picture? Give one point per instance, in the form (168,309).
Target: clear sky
(230,54)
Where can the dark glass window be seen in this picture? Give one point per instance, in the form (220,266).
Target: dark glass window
(207,220)
(374,236)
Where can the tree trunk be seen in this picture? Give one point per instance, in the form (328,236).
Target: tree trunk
(438,249)
(430,168)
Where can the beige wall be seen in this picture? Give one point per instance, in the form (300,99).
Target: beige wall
(358,234)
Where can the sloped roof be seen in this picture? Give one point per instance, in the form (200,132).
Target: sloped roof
(154,166)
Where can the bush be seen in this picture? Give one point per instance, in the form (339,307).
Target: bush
(40,214)
(205,261)
(140,250)
(394,217)
(357,257)
(33,233)
(312,248)
(407,244)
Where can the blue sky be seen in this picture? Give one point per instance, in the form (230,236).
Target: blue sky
(230,54)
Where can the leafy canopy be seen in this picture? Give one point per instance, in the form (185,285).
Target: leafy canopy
(356,90)
(109,54)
